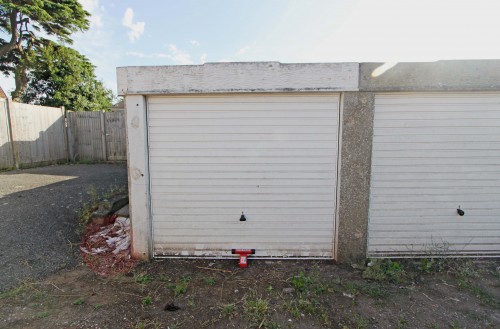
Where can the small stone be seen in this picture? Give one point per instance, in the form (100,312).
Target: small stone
(348,295)
(288,290)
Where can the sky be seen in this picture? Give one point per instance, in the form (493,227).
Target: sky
(193,32)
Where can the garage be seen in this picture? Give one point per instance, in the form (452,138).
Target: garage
(243,171)
(435,180)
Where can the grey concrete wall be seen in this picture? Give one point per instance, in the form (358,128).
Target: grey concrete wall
(355,172)
(459,75)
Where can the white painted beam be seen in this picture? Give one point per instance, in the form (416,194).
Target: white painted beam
(138,176)
(237,77)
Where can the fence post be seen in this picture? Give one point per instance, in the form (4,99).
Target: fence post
(65,133)
(15,152)
(103,137)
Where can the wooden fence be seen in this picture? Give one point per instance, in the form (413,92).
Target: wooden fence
(96,136)
(31,135)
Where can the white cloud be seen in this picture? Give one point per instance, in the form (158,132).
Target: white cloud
(179,56)
(144,55)
(175,54)
(96,11)
(243,50)
(203,58)
(194,43)
(136,29)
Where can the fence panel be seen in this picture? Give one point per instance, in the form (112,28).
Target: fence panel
(97,136)
(85,136)
(38,133)
(115,135)
(6,155)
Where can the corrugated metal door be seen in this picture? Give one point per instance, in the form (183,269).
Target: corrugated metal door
(272,158)
(434,153)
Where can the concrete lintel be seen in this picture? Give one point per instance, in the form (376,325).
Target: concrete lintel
(237,78)
(355,172)
(450,75)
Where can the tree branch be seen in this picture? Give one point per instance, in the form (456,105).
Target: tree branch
(15,37)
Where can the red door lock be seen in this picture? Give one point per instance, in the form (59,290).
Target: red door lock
(243,255)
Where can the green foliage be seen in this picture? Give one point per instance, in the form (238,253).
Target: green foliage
(143,278)
(180,287)
(301,282)
(25,25)
(384,270)
(256,310)
(61,76)
(211,281)
(79,301)
(148,300)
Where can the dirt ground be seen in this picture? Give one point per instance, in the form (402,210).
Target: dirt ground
(268,294)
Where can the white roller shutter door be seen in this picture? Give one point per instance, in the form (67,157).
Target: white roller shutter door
(433,153)
(274,158)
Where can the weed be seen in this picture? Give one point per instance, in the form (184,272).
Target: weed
(269,288)
(455,325)
(256,310)
(14,292)
(143,278)
(211,281)
(322,288)
(148,300)
(483,296)
(385,270)
(79,301)
(228,310)
(180,287)
(360,322)
(301,282)
(325,318)
(162,277)
(191,303)
(42,315)
(144,324)
(98,306)
(402,322)
(306,306)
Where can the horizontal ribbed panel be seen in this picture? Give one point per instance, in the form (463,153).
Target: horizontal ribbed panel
(272,157)
(431,154)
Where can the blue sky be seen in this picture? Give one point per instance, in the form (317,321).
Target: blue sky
(184,32)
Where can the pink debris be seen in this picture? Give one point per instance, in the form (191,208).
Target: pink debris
(106,248)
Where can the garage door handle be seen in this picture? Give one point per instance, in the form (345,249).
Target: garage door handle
(460,211)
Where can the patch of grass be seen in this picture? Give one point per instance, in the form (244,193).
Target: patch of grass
(256,310)
(360,322)
(15,291)
(385,270)
(79,301)
(180,287)
(148,300)
(98,306)
(228,310)
(144,324)
(42,315)
(455,325)
(402,322)
(210,281)
(301,282)
(483,296)
(143,278)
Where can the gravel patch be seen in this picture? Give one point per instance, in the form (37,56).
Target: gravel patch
(39,216)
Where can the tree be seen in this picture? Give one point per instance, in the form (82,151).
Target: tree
(25,21)
(61,76)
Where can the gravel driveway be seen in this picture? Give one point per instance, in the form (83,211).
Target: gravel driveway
(38,217)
